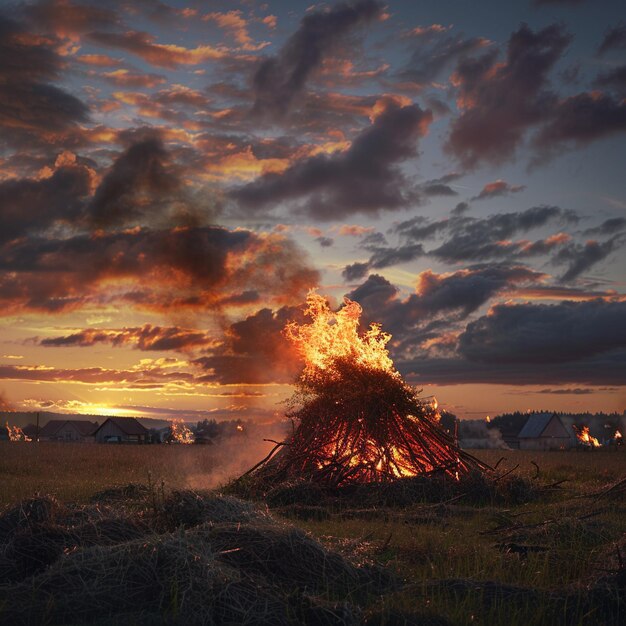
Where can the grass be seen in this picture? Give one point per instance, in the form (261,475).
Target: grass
(569,539)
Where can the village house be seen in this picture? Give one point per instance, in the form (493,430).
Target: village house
(545,431)
(122,430)
(68,430)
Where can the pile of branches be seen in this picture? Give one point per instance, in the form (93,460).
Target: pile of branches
(361,425)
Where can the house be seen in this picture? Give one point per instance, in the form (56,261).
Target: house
(122,430)
(68,430)
(545,431)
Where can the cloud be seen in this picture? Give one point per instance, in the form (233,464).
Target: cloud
(500,101)
(128,78)
(162,55)
(363,179)
(255,351)
(65,19)
(146,337)
(459,293)
(180,268)
(440,186)
(32,206)
(541,333)
(614,39)
(582,257)
(280,79)
(579,120)
(434,50)
(608,227)
(32,110)
(139,183)
(497,189)
(479,239)
(613,79)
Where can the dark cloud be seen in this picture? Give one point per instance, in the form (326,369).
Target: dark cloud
(483,238)
(32,109)
(582,257)
(453,297)
(325,242)
(467,239)
(614,39)
(62,17)
(278,80)
(460,209)
(31,206)
(138,184)
(146,337)
(581,119)
(614,79)
(540,333)
(434,51)
(355,271)
(500,101)
(193,267)
(608,368)
(440,186)
(365,178)
(255,351)
(497,189)
(608,227)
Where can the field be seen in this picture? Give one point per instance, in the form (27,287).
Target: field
(529,555)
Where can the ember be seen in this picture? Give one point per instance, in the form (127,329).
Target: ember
(16,433)
(583,436)
(180,432)
(357,420)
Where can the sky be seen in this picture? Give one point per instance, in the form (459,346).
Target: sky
(175,177)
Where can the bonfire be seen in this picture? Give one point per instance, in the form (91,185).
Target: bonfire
(355,420)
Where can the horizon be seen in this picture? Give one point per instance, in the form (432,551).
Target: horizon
(176,176)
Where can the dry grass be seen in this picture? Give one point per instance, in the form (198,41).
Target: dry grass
(542,560)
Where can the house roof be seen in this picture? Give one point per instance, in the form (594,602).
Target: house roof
(535,425)
(84,427)
(128,425)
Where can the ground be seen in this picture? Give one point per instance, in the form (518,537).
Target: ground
(508,558)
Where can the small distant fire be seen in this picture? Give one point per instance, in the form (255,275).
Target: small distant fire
(617,437)
(16,433)
(239,428)
(488,419)
(180,432)
(583,436)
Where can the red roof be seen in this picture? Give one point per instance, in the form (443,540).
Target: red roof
(128,425)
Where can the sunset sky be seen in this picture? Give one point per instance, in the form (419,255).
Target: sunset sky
(174,178)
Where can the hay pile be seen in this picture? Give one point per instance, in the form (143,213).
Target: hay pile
(195,559)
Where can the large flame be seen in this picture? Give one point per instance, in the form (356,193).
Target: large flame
(16,433)
(335,350)
(583,436)
(335,335)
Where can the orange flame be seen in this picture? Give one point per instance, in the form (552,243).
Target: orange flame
(16,433)
(333,338)
(585,438)
(335,335)
(180,432)
(617,435)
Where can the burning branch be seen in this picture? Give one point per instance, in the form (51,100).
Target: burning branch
(16,433)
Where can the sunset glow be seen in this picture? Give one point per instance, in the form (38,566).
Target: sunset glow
(177,177)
